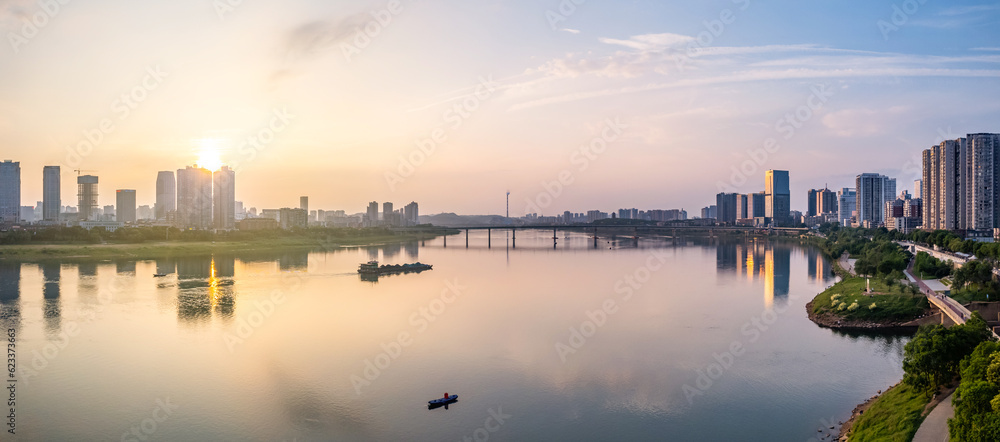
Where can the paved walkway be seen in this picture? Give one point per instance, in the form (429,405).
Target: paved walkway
(935,426)
(847,264)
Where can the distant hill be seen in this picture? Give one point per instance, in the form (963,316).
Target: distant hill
(453,220)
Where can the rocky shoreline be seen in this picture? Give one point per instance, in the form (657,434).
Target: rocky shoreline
(830,320)
(845,428)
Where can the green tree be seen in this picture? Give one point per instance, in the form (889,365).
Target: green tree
(933,356)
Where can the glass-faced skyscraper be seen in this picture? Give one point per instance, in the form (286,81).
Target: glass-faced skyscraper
(224,198)
(51,197)
(166,194)
(10,192)
(194,198)
(777,197)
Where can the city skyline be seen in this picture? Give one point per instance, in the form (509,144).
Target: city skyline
(685,96)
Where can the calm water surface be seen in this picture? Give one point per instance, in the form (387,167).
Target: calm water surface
(650,340)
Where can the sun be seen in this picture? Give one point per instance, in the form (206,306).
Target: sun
(210,153)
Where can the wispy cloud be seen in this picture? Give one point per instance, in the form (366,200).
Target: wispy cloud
(957,16)
(571,31)
(13,11)
(964,10)
(647,60)
(862,122)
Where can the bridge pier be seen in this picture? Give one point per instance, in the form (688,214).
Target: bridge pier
(446,241)
(467,238)
(513,241)
(488,239)
(554,238)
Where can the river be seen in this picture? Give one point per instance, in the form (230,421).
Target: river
(693,339)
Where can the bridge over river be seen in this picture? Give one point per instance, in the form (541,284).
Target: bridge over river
(613,230)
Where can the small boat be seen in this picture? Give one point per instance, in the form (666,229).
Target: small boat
(445,400)
(159,274)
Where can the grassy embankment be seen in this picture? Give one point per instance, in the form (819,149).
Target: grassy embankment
(165,249)
(894,416)
(848,301)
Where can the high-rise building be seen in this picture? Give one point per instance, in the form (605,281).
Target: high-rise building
(241,212)
(847,200)
(755,205)
(194,198)
(387,214)
(86,193)
(224,198)
(372,214)
(777,197)
(412,217)
(826,201)
(51,195)
(304,203)
(946,184)
(166,194)
(726,210)
(811,202)
(709,212)
(10,192)
(125,205)
(144,212)
(984,154)
(918,186)
(873,190)
(292,218)
(742,206)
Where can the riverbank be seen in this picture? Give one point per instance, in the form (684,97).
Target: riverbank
(899,410)
(173,249)
(894,414)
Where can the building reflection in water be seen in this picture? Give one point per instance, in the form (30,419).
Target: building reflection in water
(818,267)
(758,259)
(390,251)
(412,249)
(777,272)
(87,283)
(125,267)
(10,290)
(166,266)
(293,261)
(372,253)
(205,286)
(52,313)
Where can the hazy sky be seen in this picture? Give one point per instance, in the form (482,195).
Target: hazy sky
(674,96)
